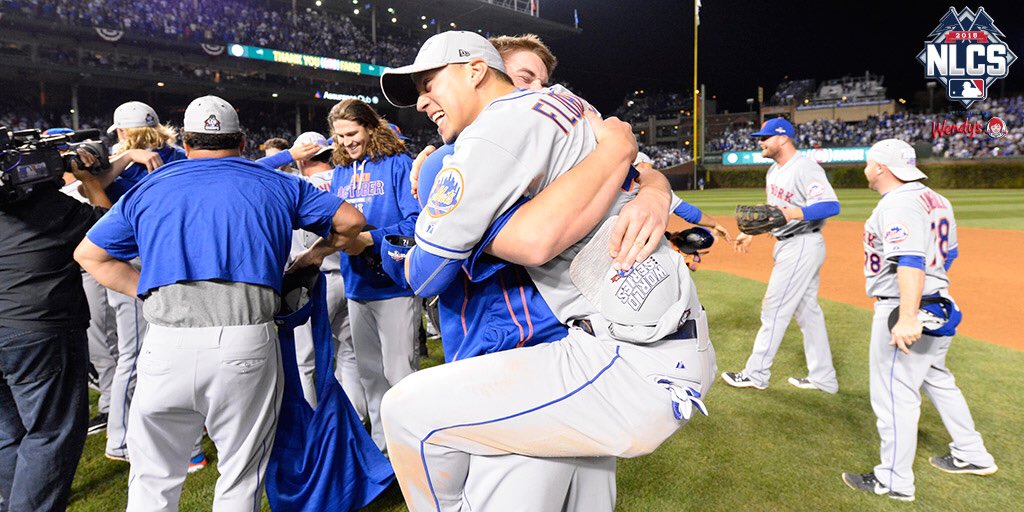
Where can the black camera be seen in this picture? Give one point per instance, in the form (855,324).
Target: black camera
(29,159)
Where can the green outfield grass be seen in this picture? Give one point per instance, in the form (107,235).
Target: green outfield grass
(976,208)
(779,449)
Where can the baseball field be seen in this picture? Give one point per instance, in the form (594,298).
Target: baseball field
(784,448)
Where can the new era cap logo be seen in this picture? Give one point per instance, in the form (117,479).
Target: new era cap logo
(212,124)
(463,53)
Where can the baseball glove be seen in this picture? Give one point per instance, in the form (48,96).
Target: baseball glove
(759,219)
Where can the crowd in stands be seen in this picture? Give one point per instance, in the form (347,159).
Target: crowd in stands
(907,126)
(640,105)
(251,22)
(666,156)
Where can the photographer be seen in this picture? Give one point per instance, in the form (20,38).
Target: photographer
(43,356)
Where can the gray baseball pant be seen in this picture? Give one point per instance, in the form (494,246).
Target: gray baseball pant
(131,329)
(516,483)
(793,291)
(226,378)
(384,333)
(102,335)
(897,380)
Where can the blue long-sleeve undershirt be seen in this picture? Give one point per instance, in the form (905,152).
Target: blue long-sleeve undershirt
(822,210)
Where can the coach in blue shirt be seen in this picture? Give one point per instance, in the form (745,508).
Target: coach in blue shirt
(213,233)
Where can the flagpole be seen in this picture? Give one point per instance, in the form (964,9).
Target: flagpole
(696,92)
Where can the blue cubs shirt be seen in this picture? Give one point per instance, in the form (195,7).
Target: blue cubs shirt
(136,171)
(382,192)
(213,218)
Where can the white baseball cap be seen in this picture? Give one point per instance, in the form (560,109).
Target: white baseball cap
(134,114)
(314,138)
(211,114)
(899,157)
(452,47)
(642,158)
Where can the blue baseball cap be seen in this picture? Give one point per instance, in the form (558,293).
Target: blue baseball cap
(775,126)
(398,131)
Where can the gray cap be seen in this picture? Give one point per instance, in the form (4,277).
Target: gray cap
(211,114)
(452,47)
(641,305)
(134,114)
(899,157)
(314,138)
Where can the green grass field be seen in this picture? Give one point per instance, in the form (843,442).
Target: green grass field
(779,449)
(976,208)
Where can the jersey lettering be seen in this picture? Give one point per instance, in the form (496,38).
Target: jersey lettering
(571,110)
(931,201)
(780,193)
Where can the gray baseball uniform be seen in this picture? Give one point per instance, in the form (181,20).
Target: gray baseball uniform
(793,285)
(590,394)
(131,329)
(912,220)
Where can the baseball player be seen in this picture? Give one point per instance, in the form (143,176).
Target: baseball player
(372,174)
(798,186)
(151,144)
(220,227)
(512,143)
(318,170)
(910,243)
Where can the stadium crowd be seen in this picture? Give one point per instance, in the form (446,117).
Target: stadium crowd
(911,127)
(258,23)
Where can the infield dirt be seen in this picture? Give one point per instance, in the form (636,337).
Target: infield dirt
(985,282)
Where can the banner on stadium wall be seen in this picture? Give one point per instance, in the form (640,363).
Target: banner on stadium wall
(820,155)
(301,59)
(212,49)
(109,35)
(337,96)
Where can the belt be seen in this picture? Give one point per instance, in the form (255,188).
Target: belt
(880,298)
(787,237)
(688,331)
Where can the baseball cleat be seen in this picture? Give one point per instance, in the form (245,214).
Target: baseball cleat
(197,463)
(868,483)
(802,383)
(120,458)
(97,424)
(739,380)
(951,464)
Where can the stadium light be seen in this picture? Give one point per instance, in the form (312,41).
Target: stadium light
(424,26)
(319,3)
(423,18)
(844,98)
(355,11)
(274,95)
(391,10)
(903,101)
(159,84)
(354,2)
(72,111)
(452,24)
(394,20)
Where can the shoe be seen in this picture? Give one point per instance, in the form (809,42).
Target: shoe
(197,463)
(121,458)
(97,424)
(868,483)
(951,464)
(802,383)
(739,380)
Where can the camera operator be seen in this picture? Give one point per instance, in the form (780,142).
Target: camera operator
(43,356)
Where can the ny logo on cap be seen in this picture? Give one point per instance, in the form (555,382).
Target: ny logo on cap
(212,124)
(780,130)
(463,53)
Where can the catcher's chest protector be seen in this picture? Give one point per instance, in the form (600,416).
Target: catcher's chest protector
(323,459)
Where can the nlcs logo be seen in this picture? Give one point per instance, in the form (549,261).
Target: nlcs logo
(966,54)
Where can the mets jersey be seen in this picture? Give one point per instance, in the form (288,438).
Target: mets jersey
(911,220)
(801,182)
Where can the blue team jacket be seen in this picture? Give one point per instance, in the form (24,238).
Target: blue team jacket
(381,190)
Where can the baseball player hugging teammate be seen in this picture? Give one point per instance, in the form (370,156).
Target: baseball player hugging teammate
(800,198)
(655,363)
(910,243)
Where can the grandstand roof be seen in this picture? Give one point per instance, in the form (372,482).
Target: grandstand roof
(496,16)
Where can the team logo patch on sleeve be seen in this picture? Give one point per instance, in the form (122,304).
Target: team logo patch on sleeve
(895,233)
(446,192)
(815,190)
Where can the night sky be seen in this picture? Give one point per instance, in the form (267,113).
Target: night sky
(648,44)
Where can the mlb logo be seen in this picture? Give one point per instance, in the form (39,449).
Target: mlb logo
(969,89)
